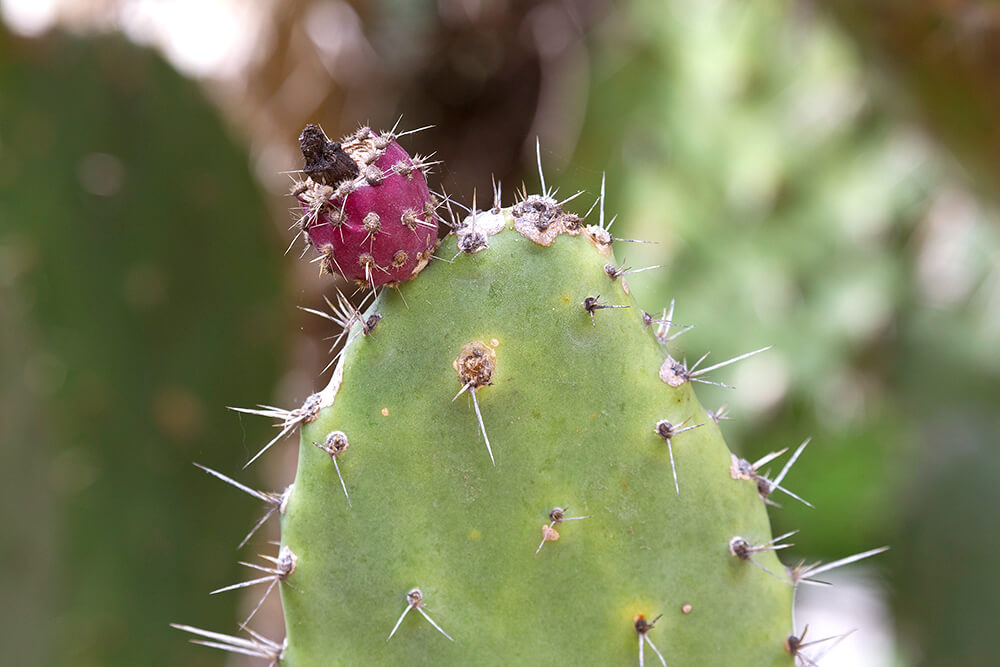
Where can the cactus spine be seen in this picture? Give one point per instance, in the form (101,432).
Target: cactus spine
(513,469)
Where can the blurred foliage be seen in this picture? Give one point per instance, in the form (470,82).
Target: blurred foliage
(945,582)
(138,295)
(943,54)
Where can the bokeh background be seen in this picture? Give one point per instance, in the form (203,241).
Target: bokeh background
(817,175)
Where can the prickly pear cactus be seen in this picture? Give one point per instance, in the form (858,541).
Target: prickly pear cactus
(509,467)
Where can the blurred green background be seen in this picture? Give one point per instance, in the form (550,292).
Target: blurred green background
(818,176)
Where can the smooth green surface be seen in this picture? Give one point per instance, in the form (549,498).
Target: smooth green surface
(570,418)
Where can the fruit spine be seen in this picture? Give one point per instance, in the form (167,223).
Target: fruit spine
(508,466)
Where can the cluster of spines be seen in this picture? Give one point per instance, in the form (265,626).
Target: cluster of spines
(541,219)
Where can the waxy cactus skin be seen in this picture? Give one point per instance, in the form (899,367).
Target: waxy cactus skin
(571,413)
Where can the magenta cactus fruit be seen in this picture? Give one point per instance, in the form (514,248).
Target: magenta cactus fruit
(367,209)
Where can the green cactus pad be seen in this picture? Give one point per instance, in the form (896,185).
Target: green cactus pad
(570,404)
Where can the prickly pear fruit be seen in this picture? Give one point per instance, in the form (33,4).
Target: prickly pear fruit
(366,206)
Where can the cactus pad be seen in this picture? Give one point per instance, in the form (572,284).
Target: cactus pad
(576,413)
